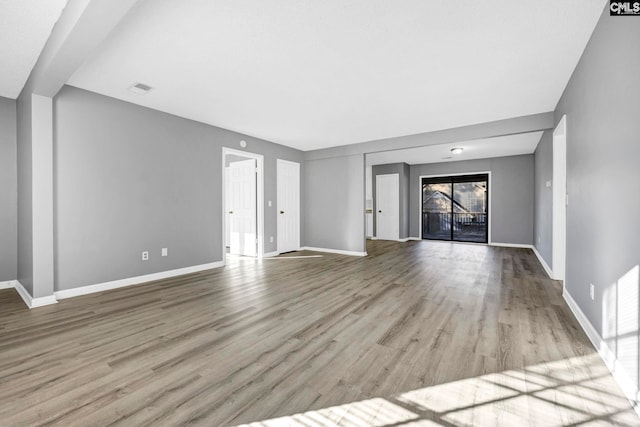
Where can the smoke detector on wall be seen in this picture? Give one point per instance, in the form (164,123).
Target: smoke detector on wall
(140,88)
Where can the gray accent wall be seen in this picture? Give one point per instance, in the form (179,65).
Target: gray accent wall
(334,203)
(8,191)
(402,169)
(602,105)
(510,194)
(543,215)
(130,179)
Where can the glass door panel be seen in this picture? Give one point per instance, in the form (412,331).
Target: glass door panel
(470,211)
(436,211)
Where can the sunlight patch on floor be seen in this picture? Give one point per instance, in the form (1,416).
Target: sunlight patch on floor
(575,391)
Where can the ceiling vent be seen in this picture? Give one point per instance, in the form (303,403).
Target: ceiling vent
(140,88)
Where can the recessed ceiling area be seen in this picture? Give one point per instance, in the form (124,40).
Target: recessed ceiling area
(315,74)
(500,146)
(25,26)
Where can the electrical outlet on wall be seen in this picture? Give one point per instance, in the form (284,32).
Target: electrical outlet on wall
(165,251)
(145,255)
(270,239)
(592,291)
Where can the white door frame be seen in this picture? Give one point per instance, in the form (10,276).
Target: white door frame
(259,198)
(488,173)
(278,163)
(397,207)
(559,221)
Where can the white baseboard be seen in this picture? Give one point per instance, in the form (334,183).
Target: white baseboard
(621,376)
(7,285)
(511,245)
(270,254)
(115,284)
(415,238)
(31,301)
(406,239)
(333,251)
(543,262)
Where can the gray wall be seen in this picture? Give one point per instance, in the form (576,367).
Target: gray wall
(602,104)
(25,192)
(510,195)
(8,191)
(129,179)
(334,203)
(402,169)
(543,215)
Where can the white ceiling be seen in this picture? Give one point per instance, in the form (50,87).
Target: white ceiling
(313,74)
(25,26)
(510,145)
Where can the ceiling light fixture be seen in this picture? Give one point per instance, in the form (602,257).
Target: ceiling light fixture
(140,88)
(457,150)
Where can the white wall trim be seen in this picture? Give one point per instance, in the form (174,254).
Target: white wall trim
(30,301)
(415,238)
(115,284)
(406,239)
(271,254)
(9,284)
(510,245)
(608,356)
(543,262)
(333,251)
(559,196)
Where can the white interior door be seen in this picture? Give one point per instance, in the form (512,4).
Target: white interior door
(288,199)
(388,207)
(242,212)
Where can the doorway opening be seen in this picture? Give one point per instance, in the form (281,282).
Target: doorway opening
(242,207)
(456,208)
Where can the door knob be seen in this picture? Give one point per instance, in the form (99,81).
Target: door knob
(379,211)
(281,212)
(230,212)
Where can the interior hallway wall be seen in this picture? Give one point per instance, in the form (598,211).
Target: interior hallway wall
(130,179)
(8,191)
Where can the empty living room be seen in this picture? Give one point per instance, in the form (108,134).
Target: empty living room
(319,213)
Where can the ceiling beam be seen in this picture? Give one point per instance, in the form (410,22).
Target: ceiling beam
(82,27)
(513,126)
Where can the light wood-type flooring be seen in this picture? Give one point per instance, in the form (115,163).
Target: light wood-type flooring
(417,333)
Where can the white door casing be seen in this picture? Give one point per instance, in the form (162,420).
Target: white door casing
(388,207)
(227,204)
(559,213)
(242,213)
(288,205)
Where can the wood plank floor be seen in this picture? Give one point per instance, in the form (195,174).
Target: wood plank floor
(417,333)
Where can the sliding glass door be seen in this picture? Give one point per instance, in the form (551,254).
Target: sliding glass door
(456,208)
